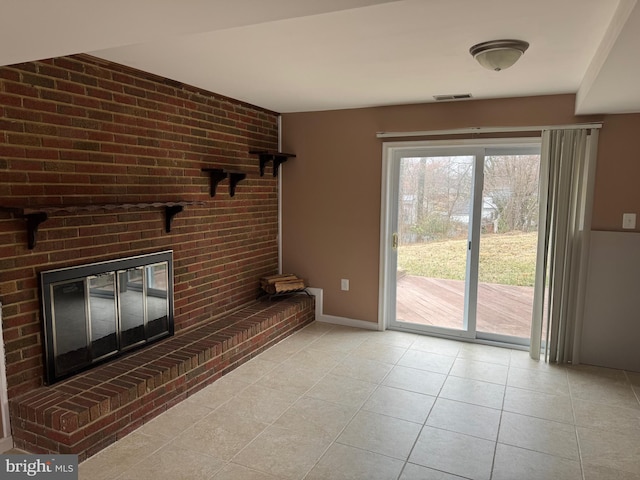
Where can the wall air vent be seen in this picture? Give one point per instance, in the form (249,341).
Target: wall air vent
(458,96)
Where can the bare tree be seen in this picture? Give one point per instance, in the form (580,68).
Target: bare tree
(435,197)
(511,187)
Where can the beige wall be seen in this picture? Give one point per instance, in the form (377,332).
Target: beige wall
(331,190)
(617,189)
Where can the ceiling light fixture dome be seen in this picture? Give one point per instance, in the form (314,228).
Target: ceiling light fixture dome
(498,54)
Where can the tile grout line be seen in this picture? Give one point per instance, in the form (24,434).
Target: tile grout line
(575,426)
(504,395)
(328,401)
(283,413)
(424,424)
(334,441)
(360,409)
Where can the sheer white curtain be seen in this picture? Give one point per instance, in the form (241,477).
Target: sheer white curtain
(567,174)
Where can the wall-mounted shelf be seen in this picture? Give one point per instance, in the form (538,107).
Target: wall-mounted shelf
(36,215)
(218,174)
(266,156)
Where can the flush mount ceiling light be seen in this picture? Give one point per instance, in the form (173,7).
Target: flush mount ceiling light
(498,54)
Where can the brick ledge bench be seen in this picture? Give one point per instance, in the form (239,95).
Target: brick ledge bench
(84,414)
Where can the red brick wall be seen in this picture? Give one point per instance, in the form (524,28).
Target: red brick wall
(78,130)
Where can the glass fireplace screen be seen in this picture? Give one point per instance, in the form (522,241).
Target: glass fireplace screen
(98,311)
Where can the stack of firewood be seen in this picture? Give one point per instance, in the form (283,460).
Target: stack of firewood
(283,283)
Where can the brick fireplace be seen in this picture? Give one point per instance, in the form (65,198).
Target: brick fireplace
(90,410)
(82,131)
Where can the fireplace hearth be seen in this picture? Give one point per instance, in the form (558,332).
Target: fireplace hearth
(89,411)
(98,311)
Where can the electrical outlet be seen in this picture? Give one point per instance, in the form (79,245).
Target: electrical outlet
(628,221)
(344,284)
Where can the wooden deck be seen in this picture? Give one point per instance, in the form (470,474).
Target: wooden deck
(502,309)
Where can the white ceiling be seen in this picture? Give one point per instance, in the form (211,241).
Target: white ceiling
(306,55)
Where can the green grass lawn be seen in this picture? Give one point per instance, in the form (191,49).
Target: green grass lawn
(508,259)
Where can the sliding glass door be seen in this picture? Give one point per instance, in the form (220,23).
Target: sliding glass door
(507,244)
(435,195)
(462,222)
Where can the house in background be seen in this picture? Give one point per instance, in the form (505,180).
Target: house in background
(317,79)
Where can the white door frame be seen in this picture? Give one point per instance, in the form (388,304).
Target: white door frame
(389,193)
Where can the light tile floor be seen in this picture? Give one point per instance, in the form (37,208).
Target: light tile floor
(331,403)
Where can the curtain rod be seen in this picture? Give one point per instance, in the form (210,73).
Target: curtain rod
(461,131)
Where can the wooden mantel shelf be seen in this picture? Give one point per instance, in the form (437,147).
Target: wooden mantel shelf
(35,215)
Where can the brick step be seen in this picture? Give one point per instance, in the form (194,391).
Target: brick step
(89,411)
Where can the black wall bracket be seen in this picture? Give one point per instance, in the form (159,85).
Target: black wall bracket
(234,179)
(265,156)
(218,174)
(171,211)
(33,222)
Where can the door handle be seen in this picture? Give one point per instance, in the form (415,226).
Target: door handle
(394,240)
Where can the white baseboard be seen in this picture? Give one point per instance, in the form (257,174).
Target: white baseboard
(347,322)
(6,444)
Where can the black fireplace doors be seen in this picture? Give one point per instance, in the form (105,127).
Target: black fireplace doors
(98,311)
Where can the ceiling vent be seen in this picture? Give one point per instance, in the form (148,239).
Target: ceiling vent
(459,96)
